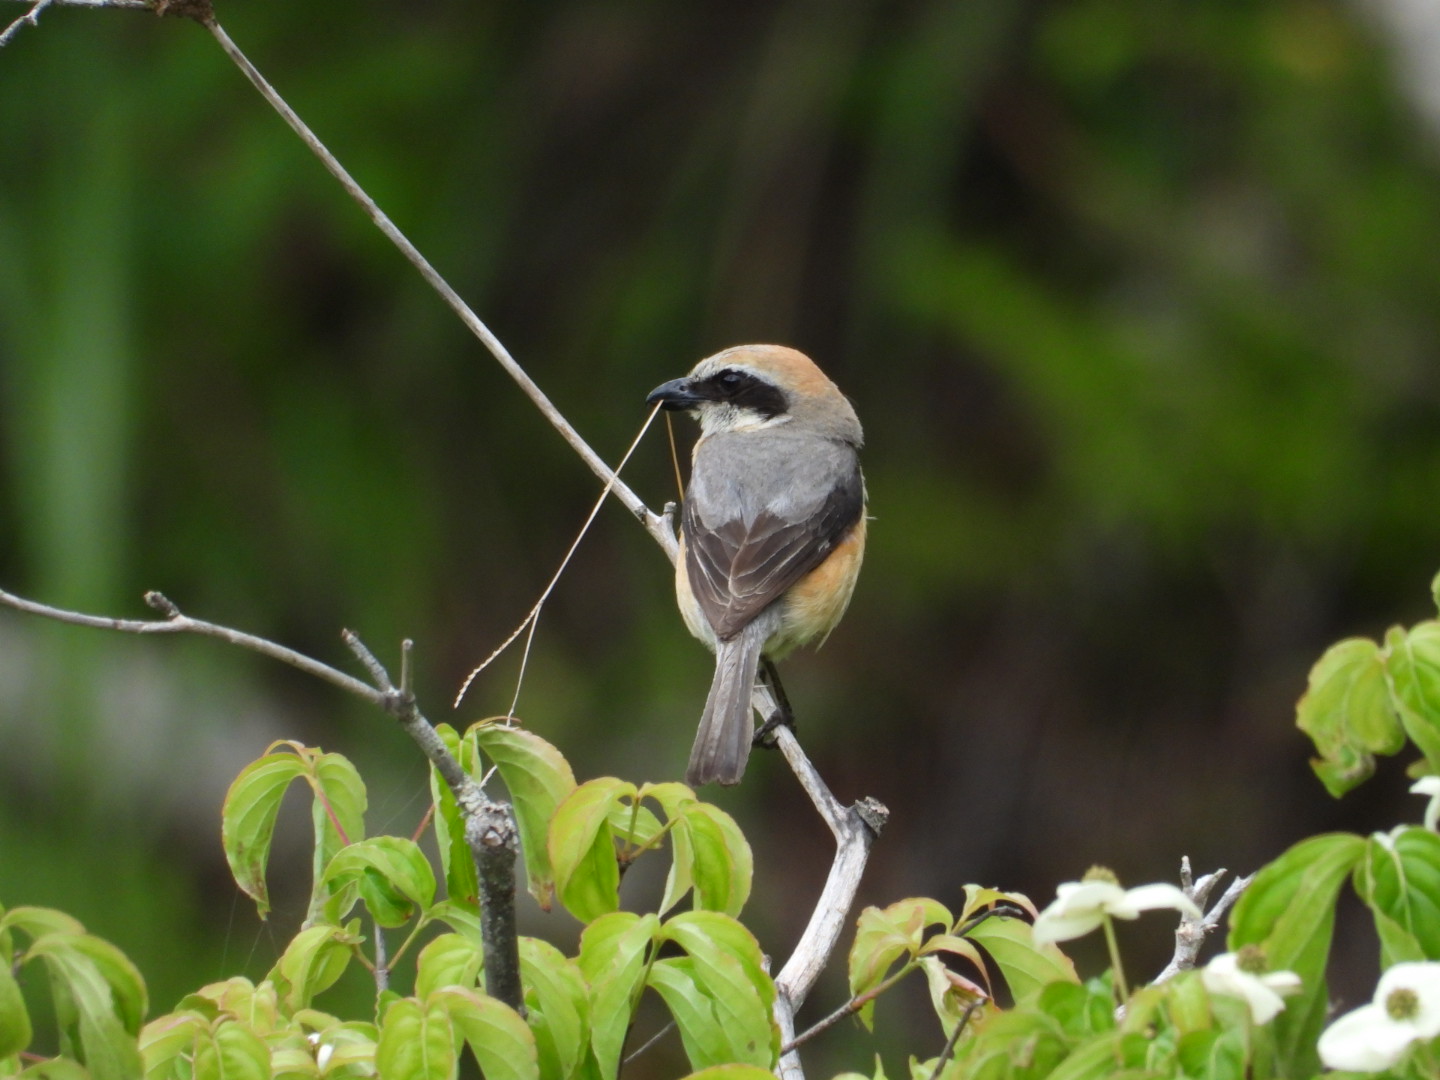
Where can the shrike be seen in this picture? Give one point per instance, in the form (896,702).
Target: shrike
(772,530)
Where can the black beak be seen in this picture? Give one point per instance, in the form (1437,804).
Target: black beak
(675,395)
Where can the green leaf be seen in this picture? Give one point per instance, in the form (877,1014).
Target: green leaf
(231,1052)
(462,918)
(701,1031)
(1413,663)
(503,1045)
(1025,966)
(168,1038)
(1078,1010)
(392,874)
(292,1057)
(1188,1003)
(1347,713)
(1289,911)
(613,952)
(447,960)
(980,896)
(634,824)
(337,815)
(884,935)
(1399,879)
(674,798)
(582,848)
(416,1042)
(256,1006)
(1435,591)
(730,968)
(15,1029)
(457,864)
(85,1007)
(247,821)
(950,995)
(1092,1060)
(722,865)
(312,962)
(127,988)
(36,922)
(731,1072)
(557,1006)
(54,1069)
(539,779)
(351,1044)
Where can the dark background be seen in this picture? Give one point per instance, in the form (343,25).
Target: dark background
(1137,299)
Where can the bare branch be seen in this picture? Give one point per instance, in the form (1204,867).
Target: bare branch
(30,18)
(128,5)
(177,623)
(952,1040)
(850,1008)
(1191,933)
(652,1041)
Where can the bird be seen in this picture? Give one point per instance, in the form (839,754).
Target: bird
(772,528)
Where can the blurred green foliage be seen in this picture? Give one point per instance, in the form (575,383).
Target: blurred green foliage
(1137,299)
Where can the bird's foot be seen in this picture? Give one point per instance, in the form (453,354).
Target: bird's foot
(765,733)
(783,716)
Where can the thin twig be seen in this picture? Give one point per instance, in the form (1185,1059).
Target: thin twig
(30,18)
(1191,933)
(850,1008)
(177,623)
(952,1040)
(382,966)
(650,1042)
(128,5)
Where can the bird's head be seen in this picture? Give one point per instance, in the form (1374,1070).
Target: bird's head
(756,387)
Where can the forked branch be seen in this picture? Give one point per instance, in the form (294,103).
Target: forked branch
(490,829)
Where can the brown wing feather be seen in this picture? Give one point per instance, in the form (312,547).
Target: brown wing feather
(738,568)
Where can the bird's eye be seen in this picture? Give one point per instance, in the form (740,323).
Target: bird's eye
(730,380)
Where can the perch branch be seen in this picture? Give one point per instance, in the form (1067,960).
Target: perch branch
(1191,933)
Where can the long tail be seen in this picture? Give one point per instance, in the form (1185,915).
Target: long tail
(722,745)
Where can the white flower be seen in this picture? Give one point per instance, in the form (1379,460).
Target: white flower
(1229,974)
(1375,1036)
(323,1051)
(1429,785)
(1081,906)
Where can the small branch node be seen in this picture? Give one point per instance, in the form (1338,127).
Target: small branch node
(378,675)
(871,813)
(202,11)
(407,648)
(162,603)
